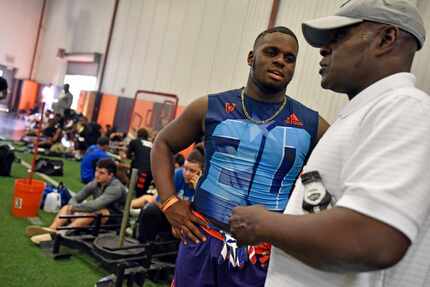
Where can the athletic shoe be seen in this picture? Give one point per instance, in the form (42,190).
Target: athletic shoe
(32,230)
(37,239)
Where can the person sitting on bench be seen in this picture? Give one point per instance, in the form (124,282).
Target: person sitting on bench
(152,221)
(108,194)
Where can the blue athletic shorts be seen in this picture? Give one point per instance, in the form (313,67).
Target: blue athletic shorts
(202,265)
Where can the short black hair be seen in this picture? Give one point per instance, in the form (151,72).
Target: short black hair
(142,133)
(108,164)
(3,84)
(103,141)
(280,29)
(179,159)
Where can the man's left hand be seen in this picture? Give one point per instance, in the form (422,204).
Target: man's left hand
(246,224)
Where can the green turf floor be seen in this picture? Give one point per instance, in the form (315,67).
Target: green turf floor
(24,264)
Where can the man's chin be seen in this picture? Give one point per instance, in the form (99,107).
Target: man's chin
(325,83)
(334,87)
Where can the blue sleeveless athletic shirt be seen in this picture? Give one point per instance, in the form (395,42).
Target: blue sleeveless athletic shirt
(247,163)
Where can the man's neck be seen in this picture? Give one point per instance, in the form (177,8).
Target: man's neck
(259,93)
(354,92)
(104,184)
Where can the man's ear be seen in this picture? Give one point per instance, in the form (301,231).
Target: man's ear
(388,36)
(250,58)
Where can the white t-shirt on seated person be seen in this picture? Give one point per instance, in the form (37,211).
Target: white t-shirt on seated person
(375,159)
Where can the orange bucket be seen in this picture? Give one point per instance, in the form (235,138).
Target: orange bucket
(26,197)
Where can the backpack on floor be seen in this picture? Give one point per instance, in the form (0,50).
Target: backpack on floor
(48,166)
(7,156)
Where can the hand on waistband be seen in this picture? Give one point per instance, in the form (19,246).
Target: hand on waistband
(184,222)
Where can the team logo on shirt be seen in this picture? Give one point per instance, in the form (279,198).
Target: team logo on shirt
(229,107)
(294,120)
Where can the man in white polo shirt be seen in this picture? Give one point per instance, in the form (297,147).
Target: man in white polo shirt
(373,163)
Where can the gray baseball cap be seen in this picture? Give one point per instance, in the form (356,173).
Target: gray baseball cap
(400,13)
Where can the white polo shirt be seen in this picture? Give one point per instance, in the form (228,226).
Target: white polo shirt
(375,159)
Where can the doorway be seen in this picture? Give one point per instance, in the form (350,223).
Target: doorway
(80,83)
(81,76)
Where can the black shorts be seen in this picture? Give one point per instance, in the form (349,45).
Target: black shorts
(143,182)
(114,217)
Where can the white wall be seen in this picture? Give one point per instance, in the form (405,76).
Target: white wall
(421,65)
(186,47)
(18,30)
(190,47)
(305,85)
(194,47)
(76,26)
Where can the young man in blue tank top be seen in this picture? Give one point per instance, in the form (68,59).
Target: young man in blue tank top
(256,142)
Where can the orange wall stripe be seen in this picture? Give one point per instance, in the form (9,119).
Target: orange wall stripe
(81,101)
(88,107)
(107,110)
(28,95)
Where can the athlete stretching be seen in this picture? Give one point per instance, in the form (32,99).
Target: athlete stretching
(256,142)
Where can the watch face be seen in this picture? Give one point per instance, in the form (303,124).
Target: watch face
(316,200)
(314,196)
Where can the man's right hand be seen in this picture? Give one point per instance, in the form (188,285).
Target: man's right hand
(195,179)
(184,222)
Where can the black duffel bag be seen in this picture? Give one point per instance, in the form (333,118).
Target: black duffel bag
(7,156)
(54,167)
